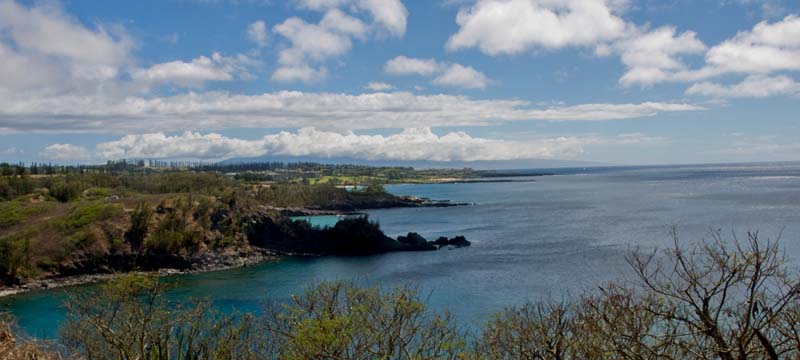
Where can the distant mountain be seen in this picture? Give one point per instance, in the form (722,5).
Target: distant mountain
(478,165)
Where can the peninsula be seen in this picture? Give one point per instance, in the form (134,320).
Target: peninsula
(67,225)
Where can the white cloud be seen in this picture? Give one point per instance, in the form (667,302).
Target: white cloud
(218,110)
(410,144)
(513,26)
(257,33)
(403,65)
(455,75)
(388,14)
(65,152)
(340,22)
(47,87)
(45,29)
(320,5)
(314,43)
(754,86)
(462,76)
(378,86)
(302,73)
(196,72)
(44,51)
(654,56)
(767,48)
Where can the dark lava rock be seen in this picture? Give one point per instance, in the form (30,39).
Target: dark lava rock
(412,239)
(458,241)
(350,236)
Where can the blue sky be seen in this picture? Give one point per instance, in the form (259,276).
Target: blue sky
(612,81)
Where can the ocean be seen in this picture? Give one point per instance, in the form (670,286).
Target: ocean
(541,240)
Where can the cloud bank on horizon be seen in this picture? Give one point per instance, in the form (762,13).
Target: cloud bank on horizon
(599,80)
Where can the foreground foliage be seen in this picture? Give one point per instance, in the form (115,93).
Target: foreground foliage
(721,299)
(130,319)
(335,321)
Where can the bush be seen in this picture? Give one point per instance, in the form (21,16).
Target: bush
(340,321)
(12,213)
(140,223)
(65,191)
(179,182)
(173,235)
(84,214)
(129,319)
(532,331)
(14,257)
(15,186)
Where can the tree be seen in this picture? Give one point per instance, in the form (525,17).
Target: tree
(140,222)
(722,299)
(14,257)
(340,321)
(130,319)
(532,331)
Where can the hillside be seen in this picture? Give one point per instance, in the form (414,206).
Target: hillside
(88,223)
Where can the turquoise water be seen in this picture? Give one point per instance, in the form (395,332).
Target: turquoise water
(553,237)
(321,221)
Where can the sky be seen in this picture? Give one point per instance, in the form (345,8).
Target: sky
(606,81)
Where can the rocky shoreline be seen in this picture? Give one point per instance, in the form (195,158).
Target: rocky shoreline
(352,237)
(205,262)
(266,237)
(346,209)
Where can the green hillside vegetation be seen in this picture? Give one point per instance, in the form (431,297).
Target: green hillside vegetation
(76,223)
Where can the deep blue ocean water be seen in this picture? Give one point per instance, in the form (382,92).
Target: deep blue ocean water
(554,237)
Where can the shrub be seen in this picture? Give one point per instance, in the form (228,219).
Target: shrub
(140,223)
(14,257)
(12,213)
(340,321)
(174,236)
(65,191)
(15,186)
(532,331)
(84,214)
(129,319)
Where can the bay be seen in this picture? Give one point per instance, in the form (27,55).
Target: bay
(551,238)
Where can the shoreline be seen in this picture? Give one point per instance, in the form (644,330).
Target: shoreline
(217,262)
(443,181)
